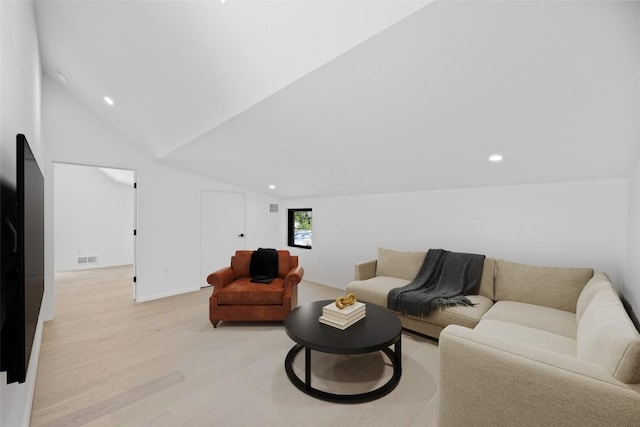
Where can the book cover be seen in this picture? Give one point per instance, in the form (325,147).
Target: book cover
(343,318)
(345,312)
(339,325)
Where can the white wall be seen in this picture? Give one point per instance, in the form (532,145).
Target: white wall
(168,199)
(631,286)
(21,82)
(169,228)
(20,112)
(572,224)
(93,217)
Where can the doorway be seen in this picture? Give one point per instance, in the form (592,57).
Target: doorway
(222,218)
(94,218)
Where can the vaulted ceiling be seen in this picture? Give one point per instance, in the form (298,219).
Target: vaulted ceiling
(324,98)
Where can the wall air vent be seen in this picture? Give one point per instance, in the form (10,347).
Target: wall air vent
(82,260)
(273,208)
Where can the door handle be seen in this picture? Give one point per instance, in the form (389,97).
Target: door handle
(241,235)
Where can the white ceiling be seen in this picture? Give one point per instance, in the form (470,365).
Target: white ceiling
(336,97)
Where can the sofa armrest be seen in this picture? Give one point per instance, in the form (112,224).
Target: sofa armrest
(294,276)
(291,280)
(220,278)
(491,381)
(365,270)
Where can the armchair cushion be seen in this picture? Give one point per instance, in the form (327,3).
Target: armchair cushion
(245,292)
(284,263)
(241,263)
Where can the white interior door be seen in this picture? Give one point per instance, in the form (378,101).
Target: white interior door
(221,229)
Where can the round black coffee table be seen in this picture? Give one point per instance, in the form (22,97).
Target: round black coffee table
(376,332)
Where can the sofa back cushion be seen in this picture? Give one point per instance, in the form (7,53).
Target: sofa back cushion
(547,286)
(486,283)
(401,265)
(607,336)
(285,263)
(240,264)
(598,282)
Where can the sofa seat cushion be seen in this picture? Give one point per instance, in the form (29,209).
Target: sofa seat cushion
(376,289)
(607,336)
(548,319)
(528,336)
(459,315)
(244,292)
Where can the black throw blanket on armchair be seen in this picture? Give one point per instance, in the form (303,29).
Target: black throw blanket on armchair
(264,265)
(443,280)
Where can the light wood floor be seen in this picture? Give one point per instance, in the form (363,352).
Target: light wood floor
(108,361)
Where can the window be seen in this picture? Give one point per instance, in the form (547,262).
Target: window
(300,232)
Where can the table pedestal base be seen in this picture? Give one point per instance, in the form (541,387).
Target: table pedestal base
(305,386)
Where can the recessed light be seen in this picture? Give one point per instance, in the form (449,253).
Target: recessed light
(495,158)
(273,187)
(109,101)
(62,77)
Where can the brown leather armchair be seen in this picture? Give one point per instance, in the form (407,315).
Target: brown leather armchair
(235,297)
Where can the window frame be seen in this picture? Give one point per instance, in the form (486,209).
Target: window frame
(291,228)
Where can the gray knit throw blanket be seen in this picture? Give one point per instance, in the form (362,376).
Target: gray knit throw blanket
(443,280)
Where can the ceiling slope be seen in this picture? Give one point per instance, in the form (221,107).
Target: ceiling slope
(552,86)
(177,69)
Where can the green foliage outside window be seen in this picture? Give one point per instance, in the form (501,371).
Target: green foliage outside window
(302,220)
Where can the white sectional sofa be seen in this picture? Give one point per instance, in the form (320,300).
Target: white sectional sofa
(543,347)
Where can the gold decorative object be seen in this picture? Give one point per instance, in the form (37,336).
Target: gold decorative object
(342,302)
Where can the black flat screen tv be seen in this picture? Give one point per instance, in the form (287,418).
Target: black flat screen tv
(22,263)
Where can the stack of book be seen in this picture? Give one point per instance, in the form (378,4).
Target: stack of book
(342,318)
